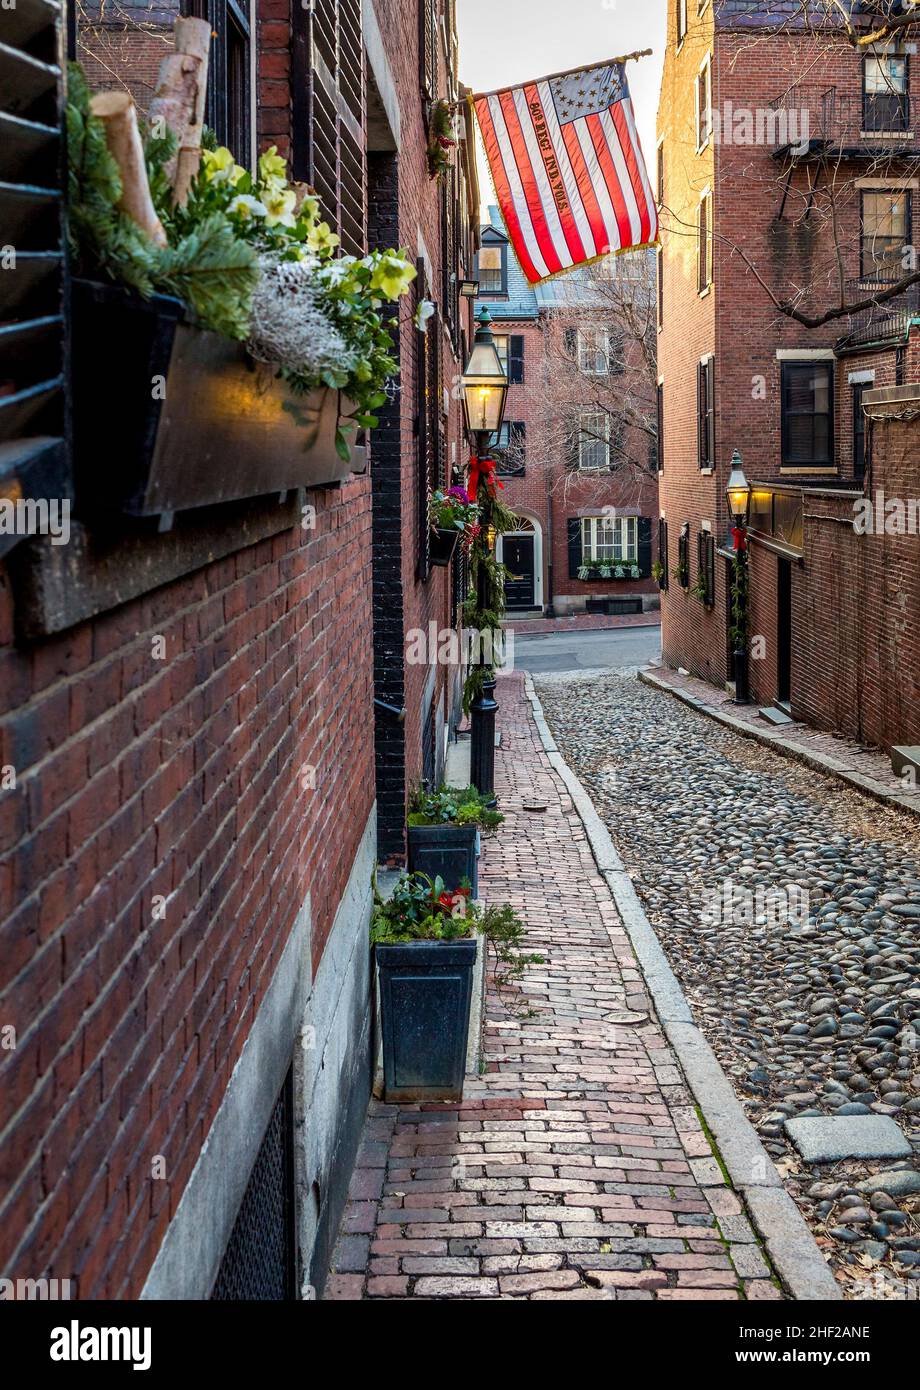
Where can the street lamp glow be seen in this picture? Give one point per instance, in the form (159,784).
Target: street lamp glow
(485,385)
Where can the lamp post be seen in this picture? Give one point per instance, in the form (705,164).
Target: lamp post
(739,508)
(485,391)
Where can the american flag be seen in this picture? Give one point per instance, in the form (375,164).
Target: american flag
(567,168)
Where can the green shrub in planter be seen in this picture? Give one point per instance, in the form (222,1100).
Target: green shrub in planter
(443,834)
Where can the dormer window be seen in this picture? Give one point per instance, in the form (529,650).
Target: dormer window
(492,267)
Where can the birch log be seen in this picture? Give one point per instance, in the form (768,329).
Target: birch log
(179,100)
(118,116)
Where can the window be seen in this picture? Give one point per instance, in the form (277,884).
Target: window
(510,349)
(807,404)
(886,232)
(704,104)
(609,540)
(509,445)
(706,561)
(592,351)
(886,105)
(228,109)
(492,269)
(428,48)
(859,433)
(594,441)
(660,413)
(681,6)
(704,243)
(663,553)
(705,395)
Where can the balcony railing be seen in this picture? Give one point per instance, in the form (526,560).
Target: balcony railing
(814,119)
(888,322)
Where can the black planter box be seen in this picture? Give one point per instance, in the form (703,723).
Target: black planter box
(442,546)
(425,992)
(168,417)
(446,851)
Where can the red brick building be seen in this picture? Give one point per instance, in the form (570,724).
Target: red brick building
(785,153)
(194,789)
(577,454)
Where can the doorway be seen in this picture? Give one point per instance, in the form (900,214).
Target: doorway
(519,559)
(783,631)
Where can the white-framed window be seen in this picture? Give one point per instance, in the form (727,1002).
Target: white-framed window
(593,351)
(609,540)
(681,7)
(704,103)
(593,441)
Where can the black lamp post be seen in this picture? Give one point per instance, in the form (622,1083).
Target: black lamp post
(739,507)
(485,391)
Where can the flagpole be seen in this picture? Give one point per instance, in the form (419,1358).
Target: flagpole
(567,72)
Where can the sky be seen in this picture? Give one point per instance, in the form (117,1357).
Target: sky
(509,41)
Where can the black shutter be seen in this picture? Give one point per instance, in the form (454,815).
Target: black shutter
(33,454)
(644,546)
(428,48)
(425,435)
(575,552)
(663,553)
(516,359)
(616,360)
(570,339)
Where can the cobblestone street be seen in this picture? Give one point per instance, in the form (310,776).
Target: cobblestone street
(812,1010)
(576,1166)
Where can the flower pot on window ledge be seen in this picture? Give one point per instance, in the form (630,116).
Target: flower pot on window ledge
(169,417)
(441,546)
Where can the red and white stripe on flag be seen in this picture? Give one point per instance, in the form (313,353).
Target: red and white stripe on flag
(568,169)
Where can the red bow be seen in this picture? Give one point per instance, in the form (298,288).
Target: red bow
(482,469)
(739,535)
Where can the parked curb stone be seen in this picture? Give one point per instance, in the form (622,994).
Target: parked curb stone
(789,1243)
(819,762)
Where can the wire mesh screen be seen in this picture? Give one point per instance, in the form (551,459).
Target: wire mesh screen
(259,1263)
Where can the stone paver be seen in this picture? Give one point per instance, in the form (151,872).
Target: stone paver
(825,1139)
(575,1167)
(787,905)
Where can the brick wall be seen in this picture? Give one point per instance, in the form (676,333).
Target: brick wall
(153,854)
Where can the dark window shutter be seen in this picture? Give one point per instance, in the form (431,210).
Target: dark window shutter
(575,552)
(34,461)
(428,48)
(663,553)
(570,338)
(644,545)
(616,360)
(425,435)
(516,358)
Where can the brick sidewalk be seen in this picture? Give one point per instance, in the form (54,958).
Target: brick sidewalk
(580,622)
(575,1168)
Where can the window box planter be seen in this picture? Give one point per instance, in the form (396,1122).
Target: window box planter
(425,993)
(450,852)
(168,417)
(441,546)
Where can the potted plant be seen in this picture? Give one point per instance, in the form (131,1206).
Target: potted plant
(452,515)
(425,943)
(443,834)
(424,940)
(238,348)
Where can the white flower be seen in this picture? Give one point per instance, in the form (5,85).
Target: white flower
(423,313)
(247,206)
(287,324)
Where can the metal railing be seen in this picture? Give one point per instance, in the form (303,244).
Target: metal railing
(885,322)
(810,117)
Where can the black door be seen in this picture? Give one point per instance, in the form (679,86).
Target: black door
(520,581)
(784,630)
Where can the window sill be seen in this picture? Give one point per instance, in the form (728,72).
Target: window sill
(707,472)
(705,293)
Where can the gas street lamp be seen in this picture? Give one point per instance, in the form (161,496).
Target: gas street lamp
(739,508)
(485,391)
